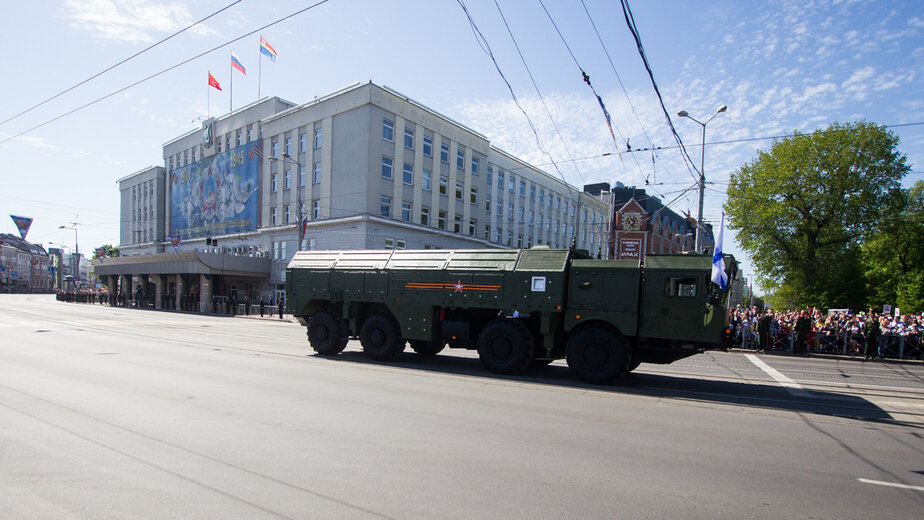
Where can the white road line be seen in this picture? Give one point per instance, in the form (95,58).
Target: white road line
(788,384)
(890,484)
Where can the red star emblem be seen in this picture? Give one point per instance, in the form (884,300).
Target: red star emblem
(459,286)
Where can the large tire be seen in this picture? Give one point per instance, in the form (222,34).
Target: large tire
(598,355)
(506,346)
(381,337)
(327,333)
(427,348)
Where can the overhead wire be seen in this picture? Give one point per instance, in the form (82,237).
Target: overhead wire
(133,56)
(164,71)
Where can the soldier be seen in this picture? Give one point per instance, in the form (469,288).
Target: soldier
(871,331)
(282,305)
(262,305)
(803,325)
(763,331)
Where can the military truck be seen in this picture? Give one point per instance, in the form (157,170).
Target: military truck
(517,308)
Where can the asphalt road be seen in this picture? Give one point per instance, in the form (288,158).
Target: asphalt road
(123,413)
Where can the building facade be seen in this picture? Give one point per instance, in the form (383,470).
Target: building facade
(361,168)
(23,266)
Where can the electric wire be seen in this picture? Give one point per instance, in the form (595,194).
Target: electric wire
(133,56)
(164,71)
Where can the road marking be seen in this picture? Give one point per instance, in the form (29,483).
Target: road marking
(890,484)
(792,387)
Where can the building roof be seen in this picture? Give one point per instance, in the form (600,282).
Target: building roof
(22,245)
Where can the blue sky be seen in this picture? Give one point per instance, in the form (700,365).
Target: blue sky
(779,66)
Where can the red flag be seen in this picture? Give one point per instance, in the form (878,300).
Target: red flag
(213,82)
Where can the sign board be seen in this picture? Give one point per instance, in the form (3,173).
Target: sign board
(887,309)
(629,248)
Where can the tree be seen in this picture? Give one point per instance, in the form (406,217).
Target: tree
(803,208)
(106,250)
(894,257)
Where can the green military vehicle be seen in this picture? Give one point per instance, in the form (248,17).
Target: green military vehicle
(517,308)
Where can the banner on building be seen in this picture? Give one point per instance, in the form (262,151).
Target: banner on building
(217,195)
(23,224)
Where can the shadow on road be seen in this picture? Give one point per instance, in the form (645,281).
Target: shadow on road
(653,385)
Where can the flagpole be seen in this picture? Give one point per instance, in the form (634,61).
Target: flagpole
(231,91)
(259,73)
(208,98)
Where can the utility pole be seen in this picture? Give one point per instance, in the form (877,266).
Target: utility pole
(702,175)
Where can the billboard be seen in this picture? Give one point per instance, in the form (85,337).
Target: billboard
(217,195)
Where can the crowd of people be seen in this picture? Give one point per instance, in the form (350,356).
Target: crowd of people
(189,302)
(872,334)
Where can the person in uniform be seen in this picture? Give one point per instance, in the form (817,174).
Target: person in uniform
(871,330)
(763,331)
(282,305)
(803,325)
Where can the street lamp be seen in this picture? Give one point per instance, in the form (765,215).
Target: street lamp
(298,194)
(702,175)
(76,256)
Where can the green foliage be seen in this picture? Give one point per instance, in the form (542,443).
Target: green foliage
(894,257)
(108,249)
(803,209)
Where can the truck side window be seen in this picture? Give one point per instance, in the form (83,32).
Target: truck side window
(683,287)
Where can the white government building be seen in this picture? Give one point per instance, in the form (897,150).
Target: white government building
(365,167)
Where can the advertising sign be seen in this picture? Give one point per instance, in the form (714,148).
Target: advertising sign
(218,194)
(629,248)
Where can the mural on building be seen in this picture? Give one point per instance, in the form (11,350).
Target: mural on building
(218,194)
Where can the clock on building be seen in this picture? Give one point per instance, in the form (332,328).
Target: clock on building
(631,222)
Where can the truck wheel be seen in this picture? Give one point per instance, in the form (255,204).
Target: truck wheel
(506,347)
(427,348)
(381,337)
(327,333)
(598,355)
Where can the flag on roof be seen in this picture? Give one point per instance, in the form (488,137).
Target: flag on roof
(22,224)
(213,82)
(267,49)
(719,276)
(236,63)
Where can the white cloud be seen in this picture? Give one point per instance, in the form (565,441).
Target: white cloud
(129,20)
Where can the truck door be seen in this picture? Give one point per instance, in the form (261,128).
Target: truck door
(674,304)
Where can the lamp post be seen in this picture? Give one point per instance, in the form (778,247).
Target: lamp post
(298,194)
(702,176)
(76,255)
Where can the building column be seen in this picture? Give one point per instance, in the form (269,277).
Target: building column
(180,291)
(205,293)
(112,284)
(158,291)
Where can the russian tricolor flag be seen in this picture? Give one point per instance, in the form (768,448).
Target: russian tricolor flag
(236,63)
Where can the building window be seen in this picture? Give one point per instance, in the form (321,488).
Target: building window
(406,211)
(408,138)
(272,216)
(286,176)
(318,138)
(441,220)
(473,195)
(487,203)
(444,153)
(428,146)
(519,241)
(487,232)
(425,216)
(288,214)
(541,196)
(532,192)
(315,209)
(389,243)
(541,221)
(509,238)
(385,207)
(273,182)
(250,134)
(460,159)
(444,185)
(500,207)
(239,137)
(312,244)
(388,130)
(400,244)
(511,185)
(522,189)
(427,180)
(474,165)
(530,217)
(302,175)
(217,143)
(288,146)
(520,214)
(457,224)
(472,226)
(510,210)
(500,179)
(386,167)
(408,173)
(460,186)
(275,147)
(317,173)
(302,143)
